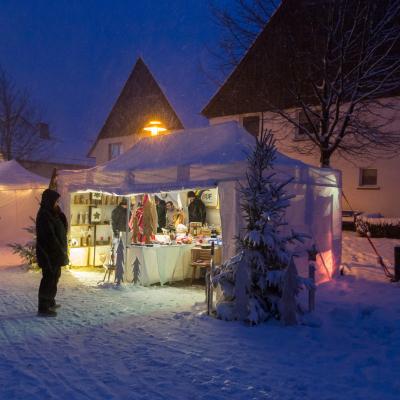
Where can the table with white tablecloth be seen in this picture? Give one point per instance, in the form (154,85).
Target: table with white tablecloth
(159,263)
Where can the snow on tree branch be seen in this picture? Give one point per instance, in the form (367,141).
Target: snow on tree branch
(252,281)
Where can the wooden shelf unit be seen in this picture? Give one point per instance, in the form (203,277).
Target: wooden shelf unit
(93,226)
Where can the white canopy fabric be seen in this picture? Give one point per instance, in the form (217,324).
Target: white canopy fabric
(14,176)
(20,192)
(216,156)
(188,158)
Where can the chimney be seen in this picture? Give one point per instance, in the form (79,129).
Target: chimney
(44,132)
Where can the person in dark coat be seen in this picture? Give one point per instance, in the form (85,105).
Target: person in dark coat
(51,249)
(161,213)
(119,218)
(196,209)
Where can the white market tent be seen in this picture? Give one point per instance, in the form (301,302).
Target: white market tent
(215,156)
(20,193)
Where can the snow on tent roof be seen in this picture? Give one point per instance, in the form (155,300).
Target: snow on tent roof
(224,143)
(14,176)
(189,158)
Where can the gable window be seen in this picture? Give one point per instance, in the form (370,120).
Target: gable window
(368,177)
(252,124)
(306,125)
(114,150)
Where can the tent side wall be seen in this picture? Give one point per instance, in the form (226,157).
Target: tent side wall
(315,211)
(20,193)
(17,207)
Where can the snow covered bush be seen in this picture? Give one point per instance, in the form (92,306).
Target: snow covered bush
(27,251)
(378,227)
(252,281)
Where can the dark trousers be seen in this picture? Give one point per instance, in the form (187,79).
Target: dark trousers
(48,287)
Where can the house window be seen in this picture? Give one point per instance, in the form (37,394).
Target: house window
(114,150)
(252,124)
(368,177)
(306,125)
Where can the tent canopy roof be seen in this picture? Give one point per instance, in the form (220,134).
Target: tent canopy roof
(13,176)
(224,143)
(188,158)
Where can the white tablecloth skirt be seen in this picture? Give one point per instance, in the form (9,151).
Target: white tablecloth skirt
(159,264)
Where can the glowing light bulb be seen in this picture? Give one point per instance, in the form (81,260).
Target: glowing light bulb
(155,127)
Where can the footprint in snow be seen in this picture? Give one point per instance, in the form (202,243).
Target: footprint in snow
(181,315)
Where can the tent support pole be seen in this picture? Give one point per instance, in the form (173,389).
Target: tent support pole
(128,209)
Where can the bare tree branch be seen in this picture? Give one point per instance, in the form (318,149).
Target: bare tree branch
(19,124)
(337,62)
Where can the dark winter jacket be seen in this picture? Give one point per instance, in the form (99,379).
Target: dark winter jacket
(51,233)
(197,211)
(118,220)
(161,214)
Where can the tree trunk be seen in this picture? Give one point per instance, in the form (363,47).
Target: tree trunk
(325,159)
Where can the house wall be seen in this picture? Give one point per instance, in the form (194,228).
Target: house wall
(382,198)
(101,151)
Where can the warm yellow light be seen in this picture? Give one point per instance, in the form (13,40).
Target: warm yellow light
(154,127)
(78,256)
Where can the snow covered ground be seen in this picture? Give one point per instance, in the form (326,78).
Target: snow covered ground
(151,343)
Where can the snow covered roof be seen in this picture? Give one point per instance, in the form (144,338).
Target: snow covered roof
(189,158)
(13,176)
(224,143)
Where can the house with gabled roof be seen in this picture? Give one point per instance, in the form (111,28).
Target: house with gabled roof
(49,156)
(371,186)
(140,101)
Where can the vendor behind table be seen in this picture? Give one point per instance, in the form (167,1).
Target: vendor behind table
(196,209)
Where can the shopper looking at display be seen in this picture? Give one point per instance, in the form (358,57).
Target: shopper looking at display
(196,209)
(119,218)
(51,250)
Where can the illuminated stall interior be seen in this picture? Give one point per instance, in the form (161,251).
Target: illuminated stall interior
(168,248)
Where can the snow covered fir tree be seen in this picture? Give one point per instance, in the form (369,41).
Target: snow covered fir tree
(254,280)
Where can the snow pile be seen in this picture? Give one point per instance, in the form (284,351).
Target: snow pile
(378,226)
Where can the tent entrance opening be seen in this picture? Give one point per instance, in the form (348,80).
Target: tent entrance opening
(166,236)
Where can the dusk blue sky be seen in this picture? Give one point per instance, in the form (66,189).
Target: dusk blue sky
(75,56)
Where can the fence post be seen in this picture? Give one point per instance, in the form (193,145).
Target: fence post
(209,285)
(312,258)
(396,264)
